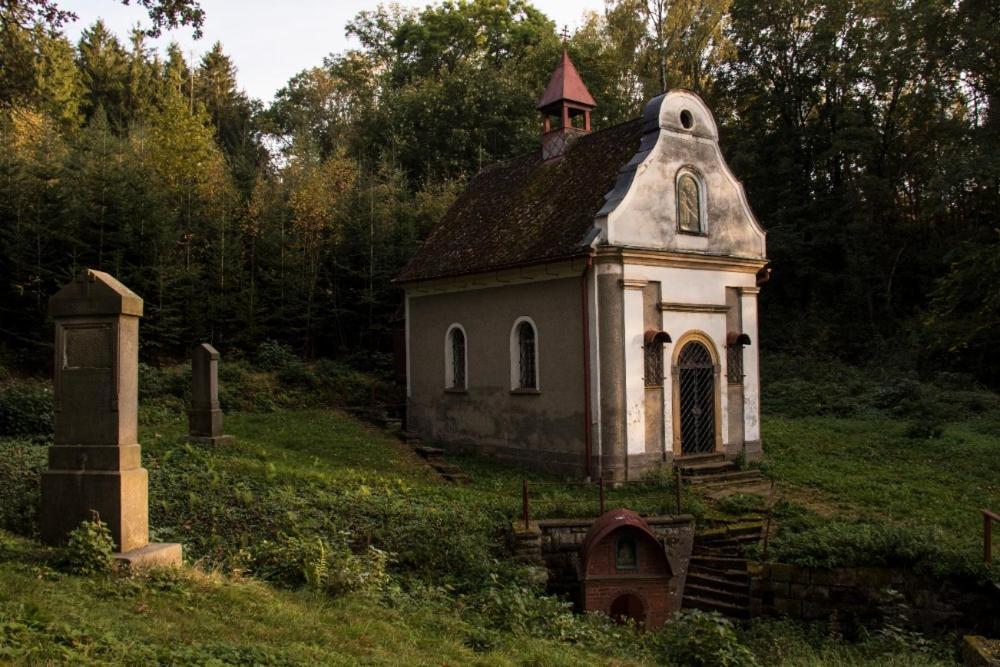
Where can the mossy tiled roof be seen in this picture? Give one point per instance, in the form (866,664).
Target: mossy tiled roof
(525,211)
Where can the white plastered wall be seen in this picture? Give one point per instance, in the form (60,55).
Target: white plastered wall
(698,289)
(646,217)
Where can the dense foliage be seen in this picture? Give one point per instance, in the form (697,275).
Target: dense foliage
(866,134)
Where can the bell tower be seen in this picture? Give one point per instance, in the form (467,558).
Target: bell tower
(565,105)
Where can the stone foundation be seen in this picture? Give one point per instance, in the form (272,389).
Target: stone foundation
(859,595)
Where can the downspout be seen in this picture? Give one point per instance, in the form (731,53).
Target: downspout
(585,310)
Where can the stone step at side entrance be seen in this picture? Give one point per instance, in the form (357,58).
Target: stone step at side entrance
(434,457)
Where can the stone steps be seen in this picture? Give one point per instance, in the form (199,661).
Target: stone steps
(739,585)
(706,468)
(434,456)
(449,471)
(694,459)
(727,563)
(717,577)
(736,577)
(724,608)
(428,452)
(720,595)
(734,543)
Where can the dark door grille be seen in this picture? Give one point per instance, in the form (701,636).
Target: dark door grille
(697,399)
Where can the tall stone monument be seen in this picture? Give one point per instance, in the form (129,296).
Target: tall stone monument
(94,465)
(205,416)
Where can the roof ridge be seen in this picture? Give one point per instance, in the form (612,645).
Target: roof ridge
(582,137)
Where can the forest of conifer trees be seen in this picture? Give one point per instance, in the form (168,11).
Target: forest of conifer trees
(866,133)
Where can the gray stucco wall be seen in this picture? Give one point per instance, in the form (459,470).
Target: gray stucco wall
(544,429)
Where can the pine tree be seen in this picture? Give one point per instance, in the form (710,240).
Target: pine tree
(104,70)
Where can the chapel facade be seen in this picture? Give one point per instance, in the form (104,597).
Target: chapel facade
(591,307)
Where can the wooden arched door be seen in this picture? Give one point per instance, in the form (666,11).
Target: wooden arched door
(697,398)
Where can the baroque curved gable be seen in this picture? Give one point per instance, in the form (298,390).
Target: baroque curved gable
(643,210)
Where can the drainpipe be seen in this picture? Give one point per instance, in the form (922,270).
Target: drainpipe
(585,309)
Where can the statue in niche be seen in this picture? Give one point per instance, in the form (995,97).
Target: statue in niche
(625,556)
(688,204)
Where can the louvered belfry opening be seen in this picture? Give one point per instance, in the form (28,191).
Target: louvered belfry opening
(565,106)
(697,399)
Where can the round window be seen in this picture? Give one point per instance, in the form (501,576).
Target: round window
(686,119)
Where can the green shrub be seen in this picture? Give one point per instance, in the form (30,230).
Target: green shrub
(926,427)
(21,466)
(89,548)
(168,382)
(701,639)
(297,374)
(449,543)
(234,373)
(349,387)
(273,356)
(522,611)
(321,564)
(26,408)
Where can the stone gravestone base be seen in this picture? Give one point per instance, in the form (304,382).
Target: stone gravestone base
(163,554)
(95,463)
(205,415)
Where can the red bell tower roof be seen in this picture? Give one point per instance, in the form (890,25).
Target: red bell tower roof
(566,86)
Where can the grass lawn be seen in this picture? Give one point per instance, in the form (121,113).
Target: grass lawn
(198,618)
(867,468)
(454,599)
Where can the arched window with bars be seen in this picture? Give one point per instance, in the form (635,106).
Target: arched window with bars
(524,356)
(455,359)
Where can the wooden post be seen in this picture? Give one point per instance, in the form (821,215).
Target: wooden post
(677,476)
(524,503)
(602,495)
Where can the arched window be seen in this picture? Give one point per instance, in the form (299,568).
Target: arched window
(455,358)
(734,356)
(689,204)
(653,342)
(524,355)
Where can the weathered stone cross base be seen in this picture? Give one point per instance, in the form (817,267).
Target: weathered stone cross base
(166,554)
(119,497)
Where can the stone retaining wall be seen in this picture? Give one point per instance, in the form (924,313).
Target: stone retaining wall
(862,594)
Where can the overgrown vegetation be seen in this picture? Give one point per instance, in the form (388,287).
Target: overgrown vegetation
(345,523)
(90,548)
(903,466)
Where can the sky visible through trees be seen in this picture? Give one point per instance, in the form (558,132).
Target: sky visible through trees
(866,134)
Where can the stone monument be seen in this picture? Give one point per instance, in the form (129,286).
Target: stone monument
(94,465)
(205,415)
